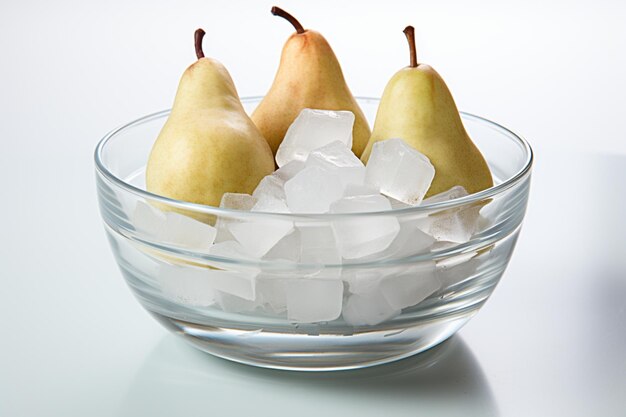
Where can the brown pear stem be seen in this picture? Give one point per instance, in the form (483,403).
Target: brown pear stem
(198,40)
(277,11)
(409,31)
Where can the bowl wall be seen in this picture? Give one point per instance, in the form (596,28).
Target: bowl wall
(296,307)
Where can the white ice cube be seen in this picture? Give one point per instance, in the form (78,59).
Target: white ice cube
(456,269)
(314,300)
(455,224)
(239,283)
(269,204)
(272,293)
(233,304)
(338,158)
(358,189)
(186,232)
(231,249)
(319,247)
(367,309)
(457,191)
(452,225)
(396,204)
(410,241)
(232,201)
(271,190)
(411,286)
(312,190)
(287,248)
(289,170)
(313,129)
(258,235)
(362,280)
(489,215)
(148,219)
(229,276)
(359,236)
(270,187)
(399,171)
(186,284)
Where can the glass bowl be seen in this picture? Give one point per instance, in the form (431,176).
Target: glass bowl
(289,306)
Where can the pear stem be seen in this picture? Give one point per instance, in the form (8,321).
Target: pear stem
(198,41)
(277,11)
(409,31)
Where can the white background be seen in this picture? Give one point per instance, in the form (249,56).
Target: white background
(552,339)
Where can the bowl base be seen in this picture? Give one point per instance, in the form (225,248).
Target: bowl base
(316,352)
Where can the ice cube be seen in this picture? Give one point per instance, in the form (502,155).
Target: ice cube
(186,285)
(239,283)
(333,155)
(452,225)
(358,189)
(233,304)
(396,204)
(359,236)
(232,201)
(186,232)
(312,129)
(411,286)
(287,248)
(270,196)
(368,309)
(272,293)
(267,204)
(231,250)
(456,269)
(271,190)
(489,215)
(314,300)
(410,241)
(399,171)
(258,235)
(364,280)
(289,170)
(148,219)
(270,187)
(319,247)
(230,276)
(457,191)
(312,190)
(336,157)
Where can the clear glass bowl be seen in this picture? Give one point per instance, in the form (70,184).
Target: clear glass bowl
(282,312)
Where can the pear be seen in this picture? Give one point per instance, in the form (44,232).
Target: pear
(208,146)
(309,76)
(417,107)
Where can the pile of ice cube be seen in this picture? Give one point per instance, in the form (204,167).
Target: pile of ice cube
(318,173)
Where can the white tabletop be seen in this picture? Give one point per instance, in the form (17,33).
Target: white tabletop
(550,341)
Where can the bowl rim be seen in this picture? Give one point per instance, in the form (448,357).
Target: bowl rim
(205,209)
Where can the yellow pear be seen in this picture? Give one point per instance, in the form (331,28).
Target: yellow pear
(309,76)
(208,146)
(417,107)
